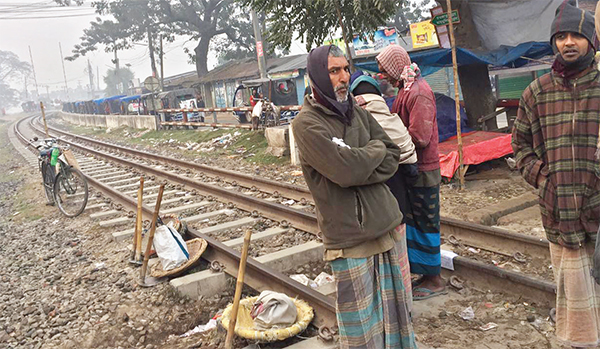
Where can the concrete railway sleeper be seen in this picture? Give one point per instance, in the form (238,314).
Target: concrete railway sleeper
(268,271)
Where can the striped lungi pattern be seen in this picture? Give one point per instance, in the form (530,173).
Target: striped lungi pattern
(404,263)
(577,296)
(423,230)
(372,303)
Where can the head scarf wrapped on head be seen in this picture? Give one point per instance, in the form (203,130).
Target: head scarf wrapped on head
(320,82)
(396,62)
(571,19)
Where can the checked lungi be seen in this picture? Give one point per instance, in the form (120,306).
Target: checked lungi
(577,296)
(372,303)
(423,230)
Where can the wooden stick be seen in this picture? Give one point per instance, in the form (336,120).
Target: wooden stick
(456,96)
(238,291)
(44,118)
(152,230)
(137,237)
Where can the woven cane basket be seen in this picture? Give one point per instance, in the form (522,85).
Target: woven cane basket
(244,326)
(195,248)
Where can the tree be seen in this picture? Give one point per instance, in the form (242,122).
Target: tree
(313,21)
(144,20)
(405,15)
(117,81)
(12,69)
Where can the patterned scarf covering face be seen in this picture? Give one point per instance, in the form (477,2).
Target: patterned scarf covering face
(409,74)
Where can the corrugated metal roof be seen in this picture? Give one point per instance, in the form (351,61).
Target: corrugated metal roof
(293,63)
(248,68)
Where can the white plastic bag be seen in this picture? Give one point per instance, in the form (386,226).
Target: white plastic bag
(170,247)
(273,310)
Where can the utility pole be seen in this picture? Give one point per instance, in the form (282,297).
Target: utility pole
(116,60)
(98,78)
(162,67)
(64,73)
(26,92)
(34,78)
(262,63)
(345,35)
(48,91)
(91,76)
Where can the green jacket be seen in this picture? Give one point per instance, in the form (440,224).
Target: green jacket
(353,202)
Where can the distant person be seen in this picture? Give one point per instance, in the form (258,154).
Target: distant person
(555,142)
(200,104)
(415,104)
(346,157)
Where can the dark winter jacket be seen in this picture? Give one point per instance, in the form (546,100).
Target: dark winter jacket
(347,182)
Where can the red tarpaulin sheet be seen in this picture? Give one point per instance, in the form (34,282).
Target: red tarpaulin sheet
(478,147)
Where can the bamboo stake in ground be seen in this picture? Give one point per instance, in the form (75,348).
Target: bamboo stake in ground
(151,235)
(238,291)
(44,118)
(461,174)
(137,236)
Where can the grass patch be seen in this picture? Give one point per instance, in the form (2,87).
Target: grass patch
(255,142)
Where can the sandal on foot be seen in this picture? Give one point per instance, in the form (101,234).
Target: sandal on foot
(428,293)
(416,282)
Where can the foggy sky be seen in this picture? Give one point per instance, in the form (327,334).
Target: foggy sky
(43,35)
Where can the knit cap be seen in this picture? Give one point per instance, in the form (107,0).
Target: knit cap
(394,58)
(570,18)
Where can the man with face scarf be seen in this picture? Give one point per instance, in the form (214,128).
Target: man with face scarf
(346,157)
(555,141)
(415,105)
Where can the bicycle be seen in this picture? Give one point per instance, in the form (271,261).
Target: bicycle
(68,188)
(265,114)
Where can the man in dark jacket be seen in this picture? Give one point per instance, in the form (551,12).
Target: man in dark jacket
(346,158)
(555,141)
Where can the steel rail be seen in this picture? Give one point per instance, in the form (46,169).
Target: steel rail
(467,267)
(472,234)
(285,189)
(258,276)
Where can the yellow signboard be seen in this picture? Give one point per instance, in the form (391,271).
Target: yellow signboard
(423,35)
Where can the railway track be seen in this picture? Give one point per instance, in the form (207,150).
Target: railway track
(238,190)
(499,241)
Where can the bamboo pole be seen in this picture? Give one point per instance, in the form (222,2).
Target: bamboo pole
(238,290)
(151,235)
(137,237)
(461,174)
(44,118)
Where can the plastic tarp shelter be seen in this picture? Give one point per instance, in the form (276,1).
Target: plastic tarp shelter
(112,98)
(432,60)
(130,98)
(478,147)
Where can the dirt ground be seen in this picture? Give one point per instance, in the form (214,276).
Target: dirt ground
(81,292)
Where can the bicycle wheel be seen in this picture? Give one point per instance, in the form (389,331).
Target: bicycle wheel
(48,182)
(71,191)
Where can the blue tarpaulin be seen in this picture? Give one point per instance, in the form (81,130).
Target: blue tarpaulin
(100,100)
(432,60)
(130,98)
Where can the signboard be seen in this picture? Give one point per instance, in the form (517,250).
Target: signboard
(423,35)
(284,75)
(151,83)
(337,42)
(442,19)
(259,49)
(381,39)
(442,31)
